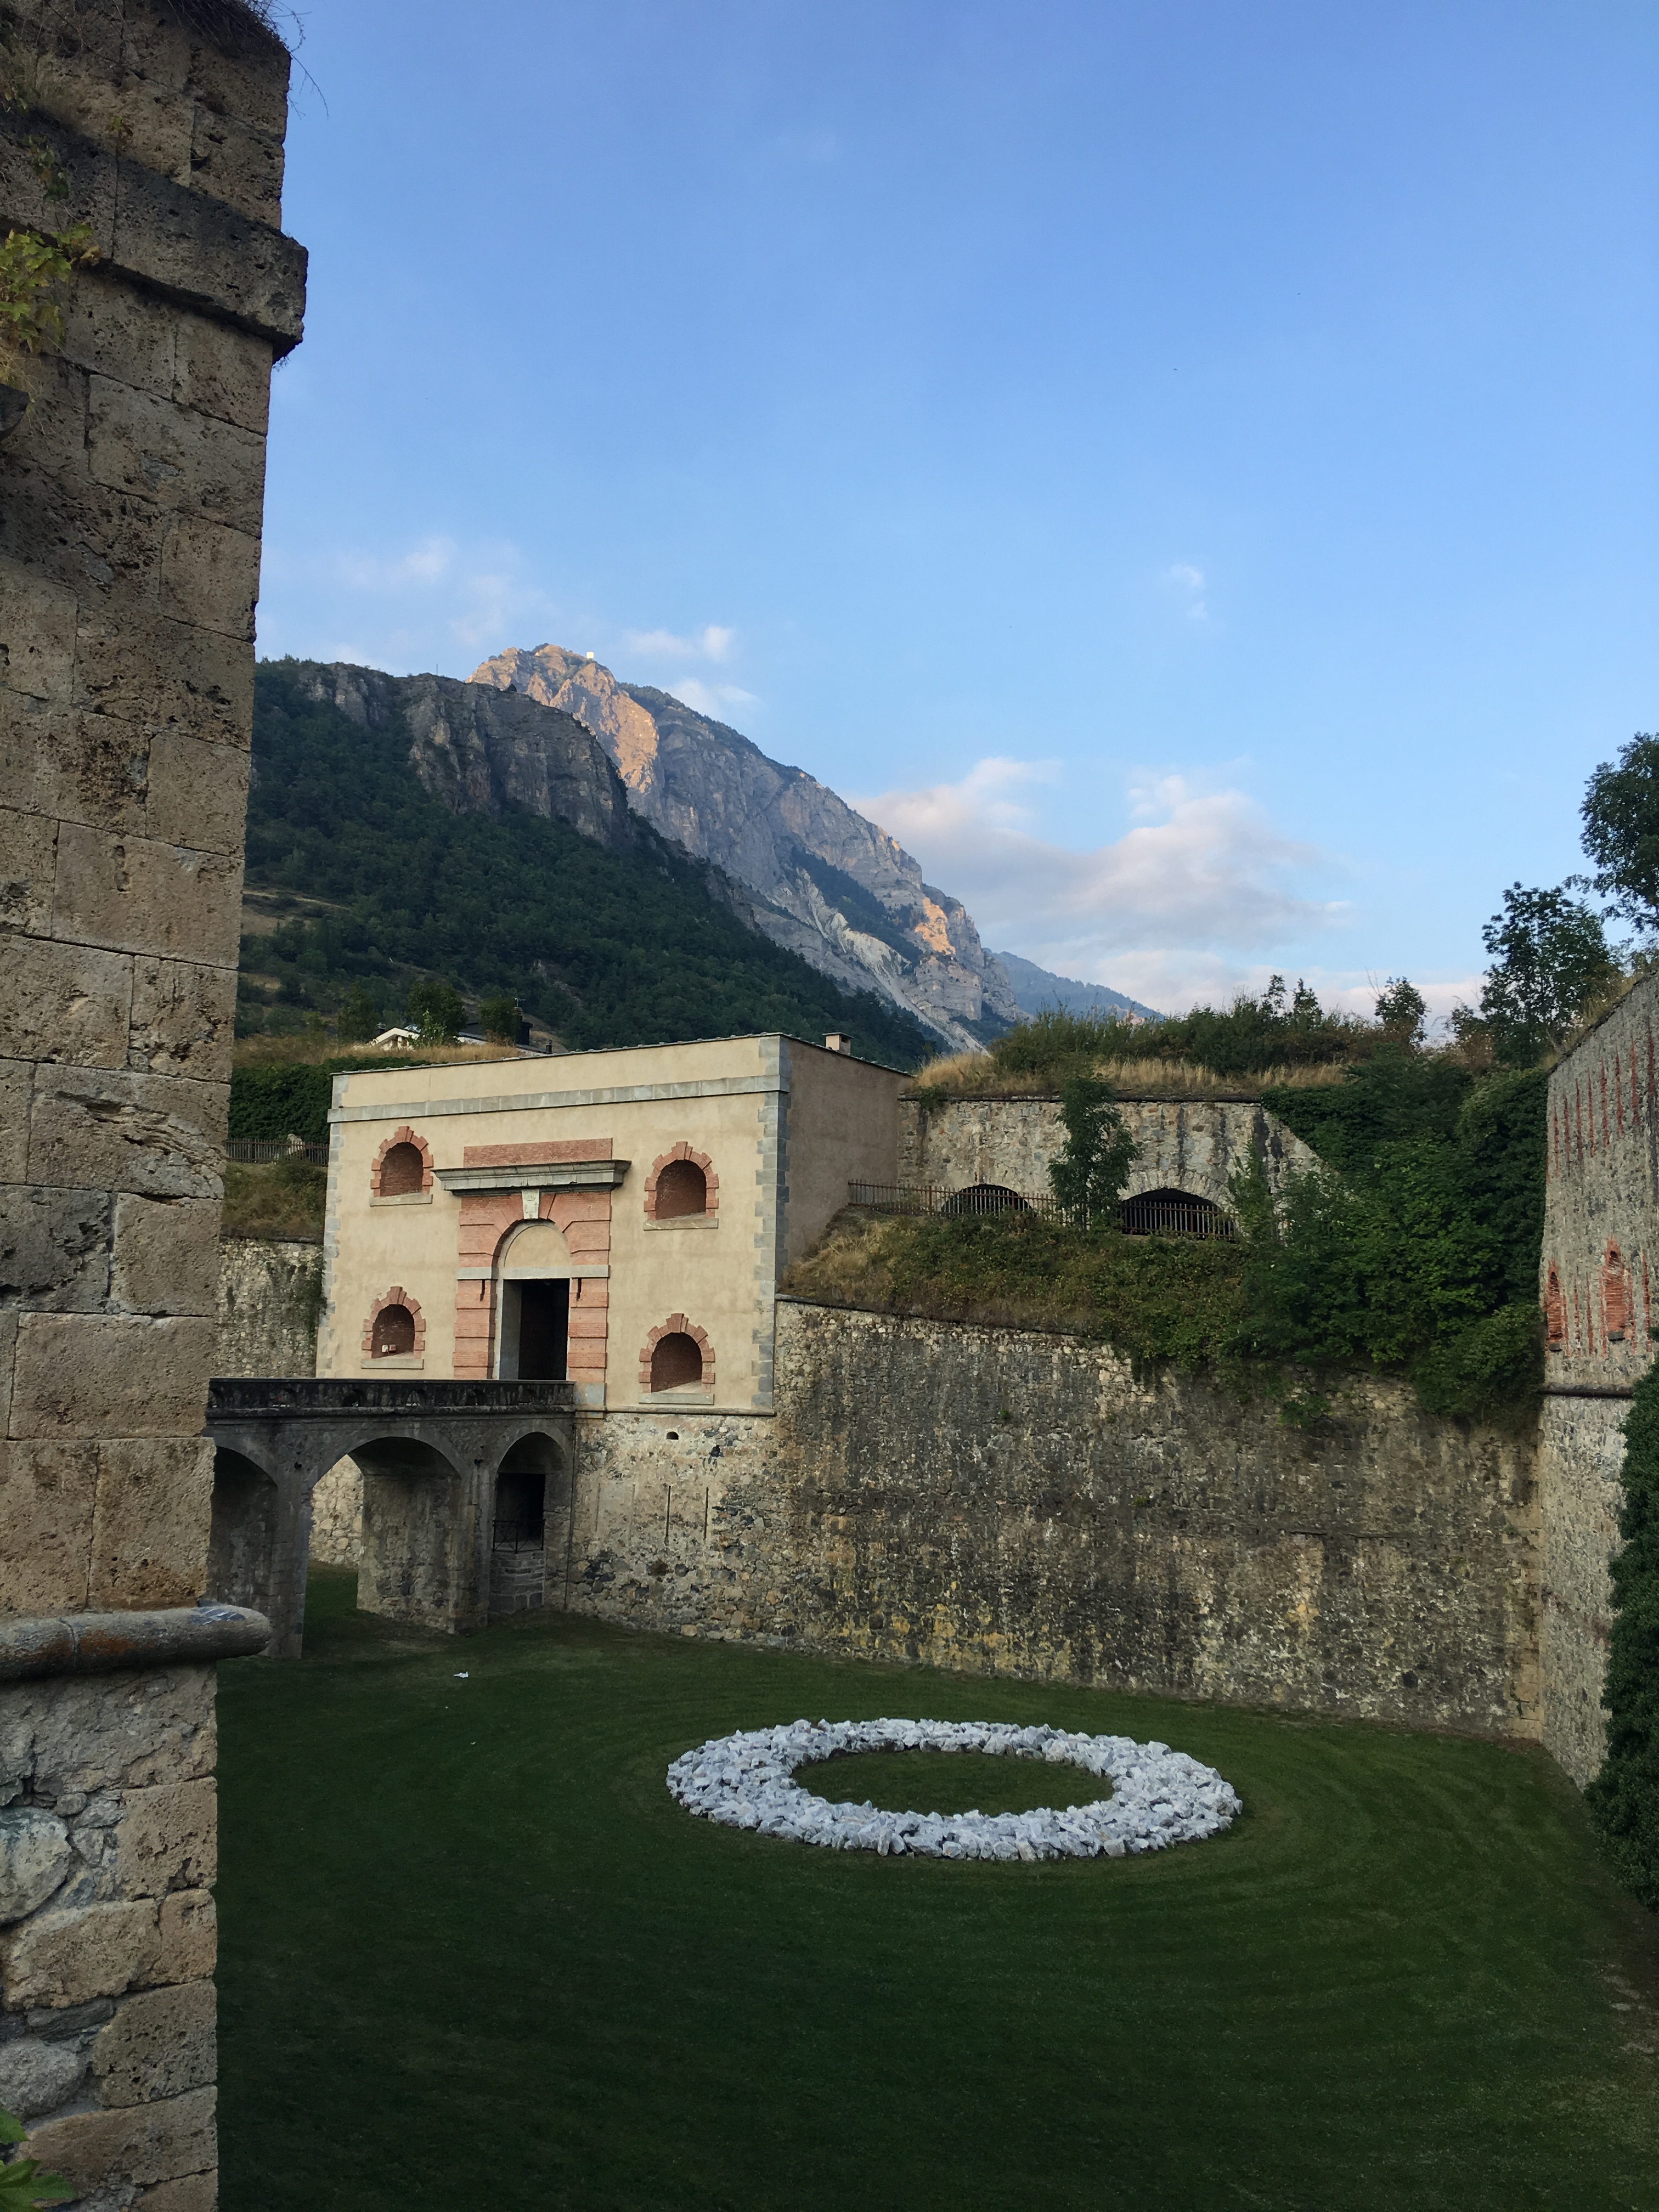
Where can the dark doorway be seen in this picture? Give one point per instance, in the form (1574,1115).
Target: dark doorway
(544,1330)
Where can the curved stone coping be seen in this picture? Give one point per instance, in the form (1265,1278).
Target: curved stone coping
(1159,1796)
(95,1642)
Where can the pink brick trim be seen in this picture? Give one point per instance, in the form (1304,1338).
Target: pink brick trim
(682,1152)
(404,1136)
(536,1156)
(676,1325)
(397,1295)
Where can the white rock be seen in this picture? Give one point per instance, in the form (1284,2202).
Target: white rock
(1159,1796)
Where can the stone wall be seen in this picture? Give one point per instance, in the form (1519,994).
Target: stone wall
(1009,1502)
(270,1295)
(1190,1145)
(1595,1284)
(1581,1448)
(106,1930)
(131,493)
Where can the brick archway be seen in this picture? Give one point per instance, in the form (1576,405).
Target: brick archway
(700,1161)
(377,1174)
(397,1295)
(676,1325)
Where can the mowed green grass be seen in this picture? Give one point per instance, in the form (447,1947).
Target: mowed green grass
(471,1953)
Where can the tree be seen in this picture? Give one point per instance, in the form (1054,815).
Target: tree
(1402,1010)
(1089,1176)
(1621,815)
(499,1019)
(358,1018)
(1549,953)
(436,1010)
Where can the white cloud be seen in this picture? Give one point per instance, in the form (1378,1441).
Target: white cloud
(437,604)
(1186,584)
(712,642)
(715,699)
(1171,911)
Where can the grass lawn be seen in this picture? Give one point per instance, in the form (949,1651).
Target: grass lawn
(473,1954)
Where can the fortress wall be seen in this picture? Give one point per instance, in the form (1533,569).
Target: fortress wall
(1190,1145)
(130,496)
(269,1296)
(1597,1284)
(1581,1448)
(1009,1502)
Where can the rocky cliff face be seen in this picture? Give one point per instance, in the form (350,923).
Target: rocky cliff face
(478,747)
(826,882)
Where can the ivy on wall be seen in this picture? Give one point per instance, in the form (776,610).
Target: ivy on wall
(1624,1798)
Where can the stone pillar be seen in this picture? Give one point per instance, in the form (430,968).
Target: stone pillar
(131,495)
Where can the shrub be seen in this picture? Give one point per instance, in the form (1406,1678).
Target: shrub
(282,1099)
(1092,1168)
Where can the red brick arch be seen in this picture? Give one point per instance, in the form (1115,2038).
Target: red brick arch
(676,1325)
(682,1152)
(397,1295)
(404,1136)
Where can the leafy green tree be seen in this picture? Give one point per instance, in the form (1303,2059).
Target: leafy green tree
(499,1019)
(1549,952)
(1624,1798)
(358,1018)
(1620,817)
(22,2185)
(435,1009)
(1089,1176)
(1402,1011)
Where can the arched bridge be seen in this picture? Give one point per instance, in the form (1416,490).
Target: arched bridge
(467,1494)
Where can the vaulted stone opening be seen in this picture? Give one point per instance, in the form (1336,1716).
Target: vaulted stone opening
(681,1189)
(676,1362)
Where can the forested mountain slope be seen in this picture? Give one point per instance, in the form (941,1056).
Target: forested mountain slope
(397,815)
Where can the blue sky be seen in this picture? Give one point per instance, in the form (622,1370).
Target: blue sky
(1188,469)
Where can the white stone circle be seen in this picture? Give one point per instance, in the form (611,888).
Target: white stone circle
(1159,1796)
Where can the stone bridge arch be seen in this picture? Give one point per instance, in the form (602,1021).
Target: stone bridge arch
(431,1454)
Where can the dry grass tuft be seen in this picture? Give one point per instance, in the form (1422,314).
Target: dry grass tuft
(977,1075)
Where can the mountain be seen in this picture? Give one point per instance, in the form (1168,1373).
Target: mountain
(829,885)
(406,827)
(1035,988)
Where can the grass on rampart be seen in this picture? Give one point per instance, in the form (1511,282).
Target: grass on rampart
(283,1197)
(472,1951)
(1173,1298)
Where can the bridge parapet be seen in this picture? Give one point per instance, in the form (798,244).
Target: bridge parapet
(432,1454)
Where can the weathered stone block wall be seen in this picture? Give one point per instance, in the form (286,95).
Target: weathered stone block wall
(269,1296)
(1581,1448)
(1190,1145)
(1005,1501)
(129,512)
(1595,1284)
(106,1930)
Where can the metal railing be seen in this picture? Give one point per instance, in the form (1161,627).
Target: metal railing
(520,1536)
(1153,1214)
(259,1151)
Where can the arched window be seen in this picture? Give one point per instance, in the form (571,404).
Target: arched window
(676,1362)
(683,1186)
(1555,1313)
(681,1189)
(393,1332)
(1172,1213)
(1615,1294)
(402,1171)
(984,1198)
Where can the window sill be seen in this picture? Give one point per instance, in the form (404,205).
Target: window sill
(676,1399)
(402,1361)
(405,1198)
(688,1221)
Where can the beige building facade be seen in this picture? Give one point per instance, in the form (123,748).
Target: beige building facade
(619,1220)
